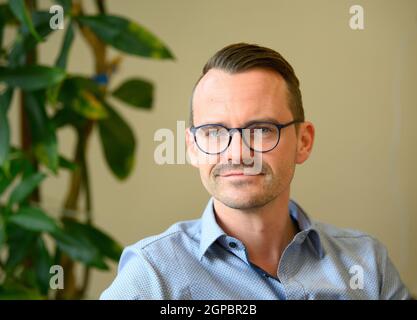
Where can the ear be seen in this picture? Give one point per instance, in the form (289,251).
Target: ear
(191,147)
(305,140)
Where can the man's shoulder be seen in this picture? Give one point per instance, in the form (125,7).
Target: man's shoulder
(178,233)
(346,238)
(339,232)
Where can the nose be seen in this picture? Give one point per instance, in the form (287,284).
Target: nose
(234,151)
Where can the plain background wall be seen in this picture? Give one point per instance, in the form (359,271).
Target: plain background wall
(359,89)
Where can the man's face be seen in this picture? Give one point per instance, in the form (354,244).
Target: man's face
(234,100)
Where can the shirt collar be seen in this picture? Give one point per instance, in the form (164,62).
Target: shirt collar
(307,227)
(211,231)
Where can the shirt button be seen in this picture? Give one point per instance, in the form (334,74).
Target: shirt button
(232,245)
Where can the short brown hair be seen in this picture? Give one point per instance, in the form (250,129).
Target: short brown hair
(241,57)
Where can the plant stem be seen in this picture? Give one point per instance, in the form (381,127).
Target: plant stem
(101,6)
(25,133)
(86,181)
(80,177)
(71,201)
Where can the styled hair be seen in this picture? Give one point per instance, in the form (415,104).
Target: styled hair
(240,57)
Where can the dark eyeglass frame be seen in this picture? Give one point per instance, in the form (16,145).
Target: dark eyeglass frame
(231,131)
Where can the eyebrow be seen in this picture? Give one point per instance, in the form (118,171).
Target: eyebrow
(265,119)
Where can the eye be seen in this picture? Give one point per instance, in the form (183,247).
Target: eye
(266,130)
(213,131)
(263,129)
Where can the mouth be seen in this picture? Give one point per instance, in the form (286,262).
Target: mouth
(239,174)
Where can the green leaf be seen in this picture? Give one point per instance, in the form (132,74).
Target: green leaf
(52,94)
(19,162)
(27,275)
(84,97)
(126,36)
(25,187)
(76,83)
(67,164)
(4,137)
(106,246)
(32,77)
(118,143)
(2,231)
(4,182)
(61,62)
(43,262)
(77,246)
(16,164)
(2,25)
(20,243)
(66,5)
(102,241)
(136,92)
(87,105)
(6,15)
(42,129)
(17,291)
(42,23)
(67,116)
(20,11)
(5,99)
(26,42)
(34,219)
(1,37)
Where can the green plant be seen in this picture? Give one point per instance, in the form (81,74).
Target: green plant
(51,98)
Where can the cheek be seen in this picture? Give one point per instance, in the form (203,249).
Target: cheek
(206,163)
(205,170)
(281,163)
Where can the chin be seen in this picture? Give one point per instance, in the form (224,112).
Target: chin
(243,200)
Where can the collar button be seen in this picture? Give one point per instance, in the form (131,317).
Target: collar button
(232,245)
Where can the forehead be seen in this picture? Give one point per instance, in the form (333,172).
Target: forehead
(233,99)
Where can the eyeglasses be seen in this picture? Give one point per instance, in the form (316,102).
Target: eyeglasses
(216,138)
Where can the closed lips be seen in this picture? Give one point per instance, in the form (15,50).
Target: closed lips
(233,173)
(237,173)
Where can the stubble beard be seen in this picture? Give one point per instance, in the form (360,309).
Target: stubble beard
(246,195)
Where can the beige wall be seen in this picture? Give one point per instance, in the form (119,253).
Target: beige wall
(359,88)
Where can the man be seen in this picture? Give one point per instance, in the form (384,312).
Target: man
(252,241)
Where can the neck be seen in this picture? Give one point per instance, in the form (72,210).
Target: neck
(265,231)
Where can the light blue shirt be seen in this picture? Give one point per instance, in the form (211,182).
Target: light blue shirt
(197,260)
